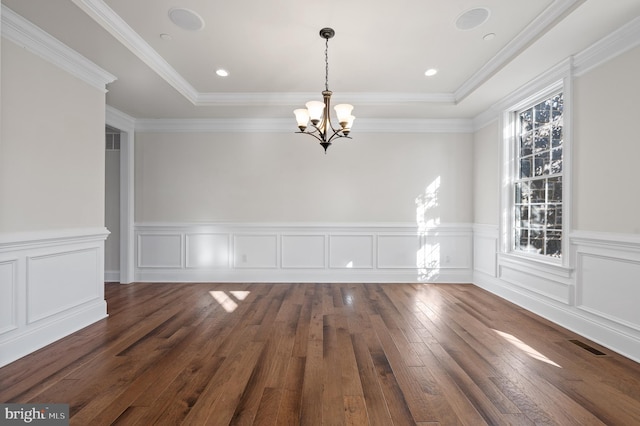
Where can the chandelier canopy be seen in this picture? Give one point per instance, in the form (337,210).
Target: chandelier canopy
(319,112)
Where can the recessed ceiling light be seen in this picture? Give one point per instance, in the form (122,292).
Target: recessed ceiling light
(489,36)
(431,72)
(472,18)
(165,36)
(186,19)
(222,73)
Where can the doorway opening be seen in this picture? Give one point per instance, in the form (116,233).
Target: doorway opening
(112,205)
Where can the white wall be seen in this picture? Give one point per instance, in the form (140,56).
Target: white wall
(52,163)
(486,174)
(286,177)
(607,147)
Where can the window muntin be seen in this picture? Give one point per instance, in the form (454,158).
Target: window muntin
(537,187)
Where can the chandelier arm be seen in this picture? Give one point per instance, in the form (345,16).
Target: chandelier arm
(322,137)
(321,140)
(316,132)
(337,134)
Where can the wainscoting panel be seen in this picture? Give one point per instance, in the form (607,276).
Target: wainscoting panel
(610,288)
(208,250)
(608,277)
(237,252)
(529,278)
(485,249)
(255,251)
(450,250)
(401,251)
(74,271)
(159,250)
(303,251)
(8,295)
(351,251)
(51,285)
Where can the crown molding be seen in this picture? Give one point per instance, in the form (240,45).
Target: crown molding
(444,125)
(212,125)
(23,33)
(549,80)
(117,27)
(618,42)
(484,119)
(287,98)
(116,118)
(263,125)
(536,29)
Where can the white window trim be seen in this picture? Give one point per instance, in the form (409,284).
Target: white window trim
(557,79)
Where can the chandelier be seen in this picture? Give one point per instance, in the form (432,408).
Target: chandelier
(318,112)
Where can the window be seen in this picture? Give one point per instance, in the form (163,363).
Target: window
(537,183)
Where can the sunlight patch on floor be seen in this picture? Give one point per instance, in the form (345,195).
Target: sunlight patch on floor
(240,295)
(525,348)
(227,300)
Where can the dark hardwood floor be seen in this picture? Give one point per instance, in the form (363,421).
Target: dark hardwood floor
(324,354)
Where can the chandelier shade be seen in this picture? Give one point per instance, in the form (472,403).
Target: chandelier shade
(318,113)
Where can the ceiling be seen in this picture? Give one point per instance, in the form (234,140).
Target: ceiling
(275,56)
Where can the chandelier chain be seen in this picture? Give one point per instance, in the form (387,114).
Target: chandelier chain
(326,64)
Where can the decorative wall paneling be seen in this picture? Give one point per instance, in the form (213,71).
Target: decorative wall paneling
(597,297)
(485,249)
(51,285)
(306,253)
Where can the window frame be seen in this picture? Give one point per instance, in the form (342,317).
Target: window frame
(555,81)
(533,178)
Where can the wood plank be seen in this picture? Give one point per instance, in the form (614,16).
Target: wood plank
(289,411)
(377,410)
(396,399)
(312,389)
(332,397)
(355,411)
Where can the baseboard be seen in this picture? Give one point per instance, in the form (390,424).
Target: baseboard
(112,276)
(50,331)
(303,276)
